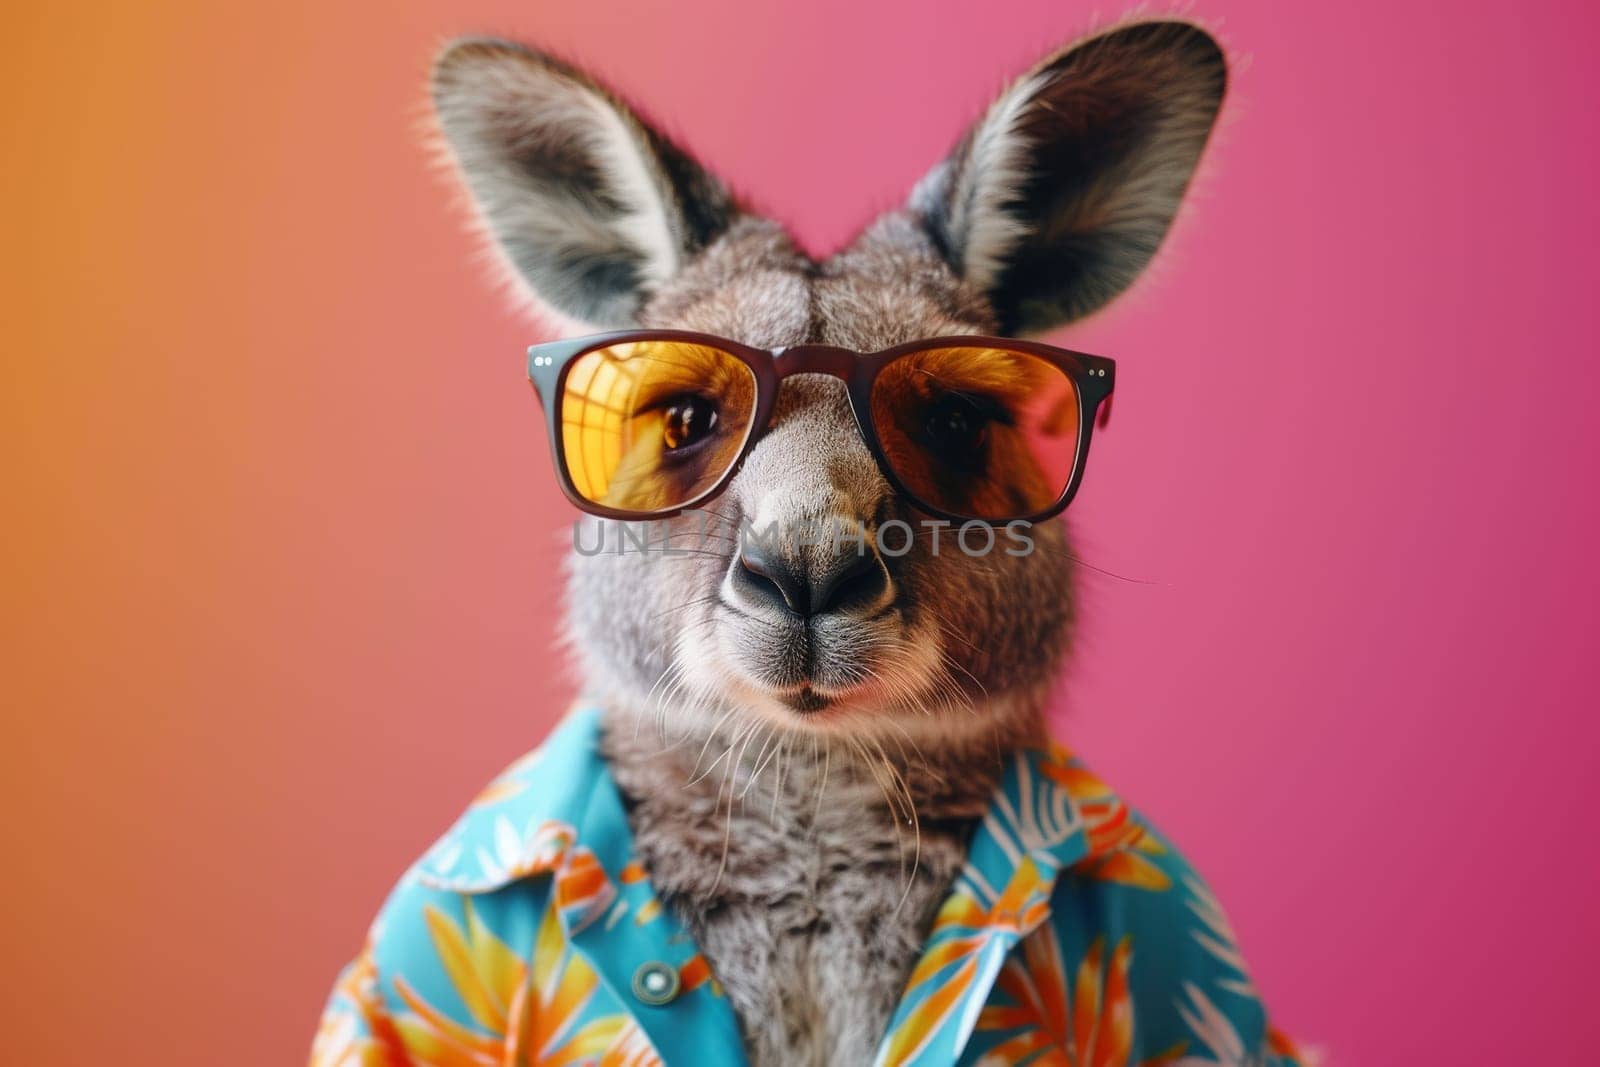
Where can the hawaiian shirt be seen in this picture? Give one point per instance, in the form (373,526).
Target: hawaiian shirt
(529,935)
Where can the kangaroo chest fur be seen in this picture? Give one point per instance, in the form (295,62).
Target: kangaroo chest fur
(808,900)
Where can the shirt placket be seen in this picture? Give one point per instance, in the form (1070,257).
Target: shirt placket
(647,961)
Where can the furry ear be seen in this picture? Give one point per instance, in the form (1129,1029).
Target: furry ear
(593,209)
(1057,198)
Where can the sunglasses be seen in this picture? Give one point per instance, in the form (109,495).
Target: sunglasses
(645,424)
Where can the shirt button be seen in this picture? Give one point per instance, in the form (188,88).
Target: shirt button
(655,983)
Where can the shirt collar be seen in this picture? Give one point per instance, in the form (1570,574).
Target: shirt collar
(1037,825)
(527,820)
(558,814)
(1048,808)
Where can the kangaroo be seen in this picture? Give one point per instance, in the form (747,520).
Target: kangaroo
(803,784)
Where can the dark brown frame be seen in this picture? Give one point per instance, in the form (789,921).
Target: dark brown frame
(549,364)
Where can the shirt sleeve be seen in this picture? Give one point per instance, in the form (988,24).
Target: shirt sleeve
(1210,988)
(439,980)
(356,1030)
(366,1021)
(1189,987)
(1282,1052)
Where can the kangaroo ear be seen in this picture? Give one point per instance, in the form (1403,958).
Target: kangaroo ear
(594,209)
(1057,198)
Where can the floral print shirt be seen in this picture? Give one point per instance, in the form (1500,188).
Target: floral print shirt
(529,935)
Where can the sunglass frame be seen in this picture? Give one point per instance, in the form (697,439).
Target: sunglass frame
(1094,378)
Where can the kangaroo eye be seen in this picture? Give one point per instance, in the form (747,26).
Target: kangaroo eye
(957,426)
(687,420)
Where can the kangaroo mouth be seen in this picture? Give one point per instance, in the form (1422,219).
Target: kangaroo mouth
(804,666)
(806,700)
(825,673)
(835,670)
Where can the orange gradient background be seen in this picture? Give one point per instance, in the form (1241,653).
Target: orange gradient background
(281,552)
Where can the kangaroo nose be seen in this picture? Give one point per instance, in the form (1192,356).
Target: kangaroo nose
(833,578)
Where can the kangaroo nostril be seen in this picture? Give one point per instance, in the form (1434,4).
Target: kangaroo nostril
(770,576)
(857,578)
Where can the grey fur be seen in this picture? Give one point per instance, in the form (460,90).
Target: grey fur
(805,894)
(807,853)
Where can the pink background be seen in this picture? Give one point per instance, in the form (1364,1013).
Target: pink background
(281,566)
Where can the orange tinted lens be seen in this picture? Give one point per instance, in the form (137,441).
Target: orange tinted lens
(982,433)
(649,426)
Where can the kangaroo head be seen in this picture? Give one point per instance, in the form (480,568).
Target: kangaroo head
(1051,205)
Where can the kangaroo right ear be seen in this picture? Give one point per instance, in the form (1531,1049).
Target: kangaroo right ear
(593,208)
(1058,197)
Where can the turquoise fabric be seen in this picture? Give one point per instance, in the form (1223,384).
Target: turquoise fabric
(1074,935)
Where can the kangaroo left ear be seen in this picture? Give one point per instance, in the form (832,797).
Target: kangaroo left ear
(1057,198)
(594,209)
